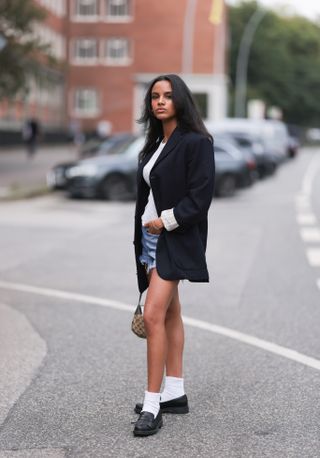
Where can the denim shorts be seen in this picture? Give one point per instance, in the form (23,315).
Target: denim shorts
(149,246)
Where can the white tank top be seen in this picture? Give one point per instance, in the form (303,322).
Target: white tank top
(150,211)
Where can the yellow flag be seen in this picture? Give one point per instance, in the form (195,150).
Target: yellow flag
(216,12)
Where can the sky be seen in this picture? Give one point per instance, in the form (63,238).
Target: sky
(309,8)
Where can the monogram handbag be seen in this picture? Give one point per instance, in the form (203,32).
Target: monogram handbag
(137,325)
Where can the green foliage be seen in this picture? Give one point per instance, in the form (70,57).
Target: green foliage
(22,56)
(284,64)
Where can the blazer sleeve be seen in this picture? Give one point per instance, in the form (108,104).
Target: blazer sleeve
(200,183)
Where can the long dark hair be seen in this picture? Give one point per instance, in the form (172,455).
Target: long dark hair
(187,113)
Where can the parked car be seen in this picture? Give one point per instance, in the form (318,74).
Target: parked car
(112,176)
(99,146)
(272,135)
(266,165)
(232,169)
(313,134)
(57,176)
(293,146)
(250,175)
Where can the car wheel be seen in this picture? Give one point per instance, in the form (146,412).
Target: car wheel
(226,186)
(115,187)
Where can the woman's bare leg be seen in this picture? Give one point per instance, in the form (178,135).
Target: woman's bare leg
(175,337)
(159,297)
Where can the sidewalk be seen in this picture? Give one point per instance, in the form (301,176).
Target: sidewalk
(22,177)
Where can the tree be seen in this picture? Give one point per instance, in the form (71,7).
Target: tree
(22,55)
(284,64)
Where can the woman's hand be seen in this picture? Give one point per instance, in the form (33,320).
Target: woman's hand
(155,226)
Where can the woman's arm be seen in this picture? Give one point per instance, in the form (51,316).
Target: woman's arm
(200,181)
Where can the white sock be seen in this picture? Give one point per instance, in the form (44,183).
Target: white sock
(173,388)
(151,403)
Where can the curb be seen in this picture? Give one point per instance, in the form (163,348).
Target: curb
(19,193)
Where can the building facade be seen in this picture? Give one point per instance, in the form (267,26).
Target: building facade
(115,47)
(109,50)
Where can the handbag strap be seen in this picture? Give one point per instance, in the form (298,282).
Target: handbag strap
(138,310)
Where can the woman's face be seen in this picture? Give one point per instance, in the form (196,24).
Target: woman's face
(161,101)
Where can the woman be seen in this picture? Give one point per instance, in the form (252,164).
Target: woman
(175,188)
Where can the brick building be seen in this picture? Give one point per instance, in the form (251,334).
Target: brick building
(117,46)
(112,49)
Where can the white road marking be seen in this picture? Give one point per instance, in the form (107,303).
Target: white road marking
(66,295)
(306,218)
(310,234)
(310,175)
(313,255)
(206,326)
(303,202)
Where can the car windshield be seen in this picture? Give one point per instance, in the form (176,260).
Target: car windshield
(115,145)
(222,154)
(243,141)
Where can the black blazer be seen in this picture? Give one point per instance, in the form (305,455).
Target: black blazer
(183,179)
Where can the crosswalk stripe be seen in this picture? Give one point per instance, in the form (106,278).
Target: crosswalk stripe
(313,255)
(310,234)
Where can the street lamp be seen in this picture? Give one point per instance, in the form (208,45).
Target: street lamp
(242,62)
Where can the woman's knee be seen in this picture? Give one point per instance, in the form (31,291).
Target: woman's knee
(152,317)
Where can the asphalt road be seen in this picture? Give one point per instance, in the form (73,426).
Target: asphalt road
(71,370)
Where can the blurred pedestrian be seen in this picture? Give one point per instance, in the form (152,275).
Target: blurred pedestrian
(76,134)
(104,129)
(175,183)
(31,136)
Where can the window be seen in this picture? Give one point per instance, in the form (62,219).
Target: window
(202,102)
(117,51)
(241,141)
(118,9)
(85,50)
(86,8)
(86,102)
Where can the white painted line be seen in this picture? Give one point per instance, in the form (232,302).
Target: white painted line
(206,326)
(303,202)
(306,218)
(313,255)
(318,283)
(66,295)
(255,342)
(309,176)
(310,234)
(303,207)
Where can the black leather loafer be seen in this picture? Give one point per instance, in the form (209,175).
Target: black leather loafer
(177,405)
(147,424)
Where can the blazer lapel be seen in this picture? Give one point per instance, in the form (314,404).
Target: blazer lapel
(174,138)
